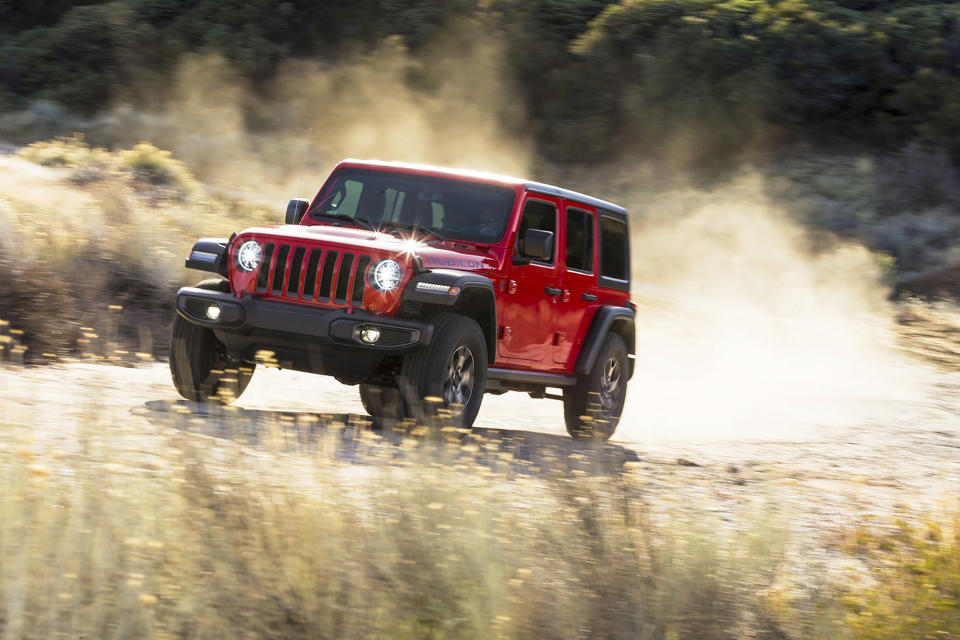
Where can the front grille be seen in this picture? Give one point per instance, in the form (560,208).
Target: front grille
(312,274)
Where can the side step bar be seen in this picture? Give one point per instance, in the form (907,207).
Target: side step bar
(531,377)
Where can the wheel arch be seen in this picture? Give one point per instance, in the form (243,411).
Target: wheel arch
(480,304)
(474,298)
(608,319)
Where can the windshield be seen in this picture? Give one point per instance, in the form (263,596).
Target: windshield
(450,208)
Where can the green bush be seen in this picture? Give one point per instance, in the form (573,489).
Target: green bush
(914,585)
(697,81)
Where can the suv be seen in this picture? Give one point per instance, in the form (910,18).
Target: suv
(428,288)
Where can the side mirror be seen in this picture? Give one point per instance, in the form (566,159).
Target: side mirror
(295,210)
(538,245)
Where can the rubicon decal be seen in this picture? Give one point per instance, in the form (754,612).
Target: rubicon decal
(462,263)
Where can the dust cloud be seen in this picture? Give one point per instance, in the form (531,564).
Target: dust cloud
(455,110)
(750,327)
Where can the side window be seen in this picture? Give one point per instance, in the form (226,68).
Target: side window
(538,214)
(614,249)
(579,241)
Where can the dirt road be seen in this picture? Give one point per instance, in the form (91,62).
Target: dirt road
(905,453)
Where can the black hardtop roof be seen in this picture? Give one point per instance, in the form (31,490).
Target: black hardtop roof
(567,194)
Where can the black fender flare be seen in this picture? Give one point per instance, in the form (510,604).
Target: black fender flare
(452,288)
(209,254)
(619,320)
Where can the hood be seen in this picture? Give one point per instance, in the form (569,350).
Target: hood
(446,255)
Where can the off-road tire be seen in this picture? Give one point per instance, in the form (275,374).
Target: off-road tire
(201,369)
(382,402)
(592,408)
(433,378)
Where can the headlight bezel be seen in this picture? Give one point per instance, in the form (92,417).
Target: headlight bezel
(241,259)
(383,277)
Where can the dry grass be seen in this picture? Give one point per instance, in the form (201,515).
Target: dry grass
(93,243)
(299,526)
(914,587)
(932,331)
(188,537)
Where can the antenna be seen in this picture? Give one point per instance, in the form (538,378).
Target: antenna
(306,149)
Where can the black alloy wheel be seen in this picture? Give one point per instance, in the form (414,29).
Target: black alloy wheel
(461,375)
(592,408)
(443,384)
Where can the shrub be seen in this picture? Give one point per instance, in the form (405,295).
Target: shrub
(65,151)
(114,257)
(156,167)
(915,587)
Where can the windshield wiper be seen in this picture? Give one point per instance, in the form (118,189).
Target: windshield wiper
(360,222)
(430,231)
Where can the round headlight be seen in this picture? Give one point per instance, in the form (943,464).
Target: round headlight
(386,275)
(248,255)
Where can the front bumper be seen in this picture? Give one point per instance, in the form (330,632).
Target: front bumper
(259,319)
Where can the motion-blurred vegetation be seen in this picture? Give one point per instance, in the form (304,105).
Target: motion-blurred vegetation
(152,172)
(109,264)
(699,80)
(914,586)
(193,538)
(299,527)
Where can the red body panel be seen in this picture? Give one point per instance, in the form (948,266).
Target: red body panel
(529,313)
(536,331)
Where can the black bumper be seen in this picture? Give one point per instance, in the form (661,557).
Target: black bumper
(254,320)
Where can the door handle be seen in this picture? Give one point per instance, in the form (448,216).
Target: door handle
(589,297)
(552,291)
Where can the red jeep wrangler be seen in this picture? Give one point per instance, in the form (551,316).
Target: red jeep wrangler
(428,287)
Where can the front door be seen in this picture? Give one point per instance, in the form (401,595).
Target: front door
(532,291)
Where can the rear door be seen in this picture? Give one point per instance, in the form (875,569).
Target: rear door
(578,280)
(532,291)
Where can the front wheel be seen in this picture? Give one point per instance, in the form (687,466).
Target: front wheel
(382,401)
(201,368)
(445,382)
(592,408)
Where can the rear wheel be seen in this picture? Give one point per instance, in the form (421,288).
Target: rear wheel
(592,408)
(201,368)
(444,383)
(382,402)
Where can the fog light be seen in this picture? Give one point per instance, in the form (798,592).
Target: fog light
(213,312)
(369,334)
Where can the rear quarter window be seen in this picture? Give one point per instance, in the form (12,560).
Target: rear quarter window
(614,252)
